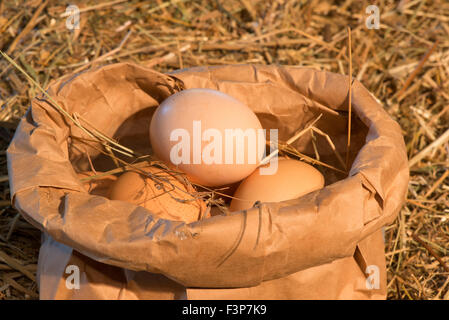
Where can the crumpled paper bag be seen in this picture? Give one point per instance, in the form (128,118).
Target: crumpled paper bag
(316,246)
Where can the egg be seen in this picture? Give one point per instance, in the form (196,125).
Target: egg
(212,137)
(167,197)
(292,179)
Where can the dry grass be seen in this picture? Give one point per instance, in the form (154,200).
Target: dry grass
(405,64)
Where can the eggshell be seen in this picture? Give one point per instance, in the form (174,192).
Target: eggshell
(217,111)
(159,198)
(292,179)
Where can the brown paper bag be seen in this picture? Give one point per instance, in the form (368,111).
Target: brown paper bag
(319,246)
(340,279)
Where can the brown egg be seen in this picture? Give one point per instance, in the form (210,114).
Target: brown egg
(202,132)
(292,179)
(167,198)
